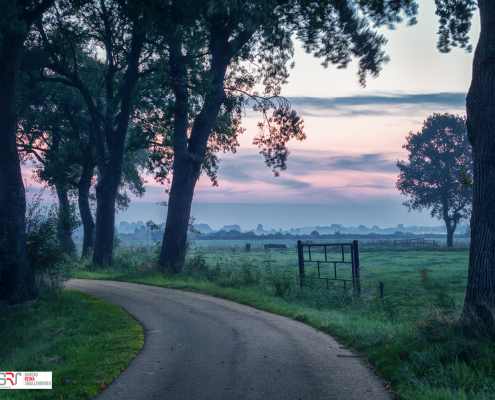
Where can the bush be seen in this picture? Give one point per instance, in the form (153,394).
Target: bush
(47,254)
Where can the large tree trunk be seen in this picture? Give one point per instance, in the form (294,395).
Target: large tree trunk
(480,294)
(16,277)
(173,251)
(64,229)
(105,224)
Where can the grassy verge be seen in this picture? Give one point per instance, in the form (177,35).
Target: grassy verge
(84,341)
(415,338)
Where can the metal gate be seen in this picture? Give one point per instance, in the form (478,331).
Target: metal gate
(354,262)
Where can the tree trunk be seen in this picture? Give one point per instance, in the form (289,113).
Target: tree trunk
(480,294)
(83,198)
(450,235)
(16,277)
(64,229)
(87,219)
(105,223)
(173,252)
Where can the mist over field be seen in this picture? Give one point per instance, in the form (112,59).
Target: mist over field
(286,216)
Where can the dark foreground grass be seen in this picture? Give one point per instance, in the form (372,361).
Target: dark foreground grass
(415,338)
(84,341)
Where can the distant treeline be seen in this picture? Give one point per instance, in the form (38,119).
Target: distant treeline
(139,231)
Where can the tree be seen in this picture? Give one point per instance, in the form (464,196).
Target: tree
(16,20)
(217,55)
(69,38)
(437,154)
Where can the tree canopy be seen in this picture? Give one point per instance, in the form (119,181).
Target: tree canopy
(438,155)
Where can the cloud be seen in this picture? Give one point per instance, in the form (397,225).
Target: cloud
(246,168)
(377,105)
(377,162)
(309,162)
(250,167)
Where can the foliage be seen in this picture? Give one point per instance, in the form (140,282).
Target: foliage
(455,23)
(47,254)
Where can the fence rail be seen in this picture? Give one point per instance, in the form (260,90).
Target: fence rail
(419,242)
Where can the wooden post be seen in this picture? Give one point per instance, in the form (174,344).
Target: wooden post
(300,256)
(357,273)
(381,291)
(248,247)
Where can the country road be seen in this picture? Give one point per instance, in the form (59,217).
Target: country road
(202,347)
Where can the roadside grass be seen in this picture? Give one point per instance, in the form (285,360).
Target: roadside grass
(415,338)
(84,341)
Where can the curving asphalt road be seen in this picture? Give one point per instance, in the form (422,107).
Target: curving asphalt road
(202,347)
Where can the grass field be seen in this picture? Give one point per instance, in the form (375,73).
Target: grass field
(85,342)
(420,277)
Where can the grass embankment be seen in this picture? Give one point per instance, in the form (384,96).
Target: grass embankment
(414,338)
(84,341)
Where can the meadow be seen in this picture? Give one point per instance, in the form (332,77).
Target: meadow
(414,338)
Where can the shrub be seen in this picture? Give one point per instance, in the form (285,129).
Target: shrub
(46,252)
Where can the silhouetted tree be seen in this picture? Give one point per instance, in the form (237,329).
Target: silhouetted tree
(216,56)
(16,20)
(436,155)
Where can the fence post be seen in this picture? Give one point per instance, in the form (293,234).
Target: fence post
(300,256)
(248,247)
(357,273)
(381,291)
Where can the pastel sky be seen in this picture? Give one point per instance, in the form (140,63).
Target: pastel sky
(354,134)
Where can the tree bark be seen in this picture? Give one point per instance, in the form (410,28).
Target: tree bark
(84,209)
(105,223)
(64,229)
(480,295)
(16,277)
(173,251)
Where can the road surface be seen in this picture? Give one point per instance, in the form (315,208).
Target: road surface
(202,347)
